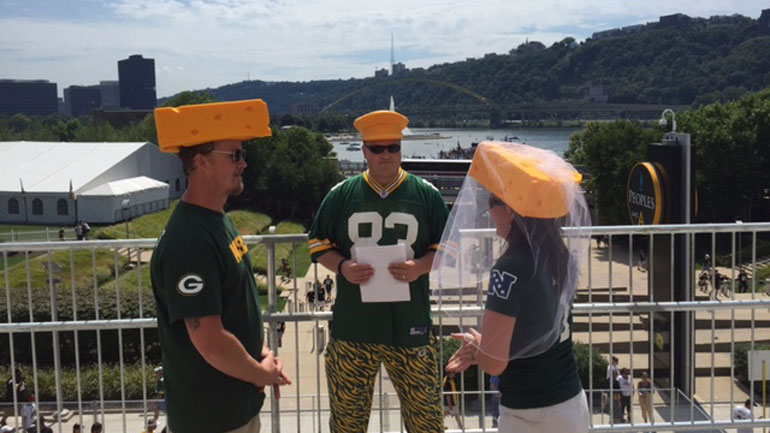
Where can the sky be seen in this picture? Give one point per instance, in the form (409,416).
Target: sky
(201,44)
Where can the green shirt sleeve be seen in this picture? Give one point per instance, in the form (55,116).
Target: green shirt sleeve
(438,217)
(191,280)
(322,234)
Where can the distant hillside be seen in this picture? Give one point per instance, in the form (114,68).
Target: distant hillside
(677,60)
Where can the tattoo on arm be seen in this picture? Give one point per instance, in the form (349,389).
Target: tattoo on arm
(193,323)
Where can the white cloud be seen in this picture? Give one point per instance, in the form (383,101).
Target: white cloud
(208,43)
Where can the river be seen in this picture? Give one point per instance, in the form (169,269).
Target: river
(555,139)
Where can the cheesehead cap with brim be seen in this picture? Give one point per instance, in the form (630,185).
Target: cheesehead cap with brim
(525,178)
(191,125)
(381,125)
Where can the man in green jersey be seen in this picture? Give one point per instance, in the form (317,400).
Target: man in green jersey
(382,206)
(215,363)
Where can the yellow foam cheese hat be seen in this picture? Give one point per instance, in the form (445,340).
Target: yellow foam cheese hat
(191,125)
(381,125)
(519,179)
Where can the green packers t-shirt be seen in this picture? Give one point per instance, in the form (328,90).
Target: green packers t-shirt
(201,267)
(359,212)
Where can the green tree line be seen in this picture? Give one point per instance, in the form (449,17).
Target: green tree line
(732,155)
(699,61)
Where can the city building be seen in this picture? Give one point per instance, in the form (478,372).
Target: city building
(398,68)
(136,75)
(380,73)
(81,100)
(28,97)
(110,94)
(304,108)
(764,21)
(61,183)
(598,93)
(677,19)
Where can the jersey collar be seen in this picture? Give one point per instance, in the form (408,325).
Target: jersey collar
(385,191)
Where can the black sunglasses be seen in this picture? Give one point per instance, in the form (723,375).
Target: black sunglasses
(237,155)
(392,148)
(494,201)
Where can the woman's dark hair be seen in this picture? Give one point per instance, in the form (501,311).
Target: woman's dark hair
(550,250)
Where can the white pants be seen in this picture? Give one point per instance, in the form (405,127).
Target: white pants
(565,417)
(253,426)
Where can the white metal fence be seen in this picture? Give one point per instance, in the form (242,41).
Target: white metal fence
(77,323)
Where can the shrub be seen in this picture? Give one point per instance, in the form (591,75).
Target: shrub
(585,361)
(89,381)
(741,362)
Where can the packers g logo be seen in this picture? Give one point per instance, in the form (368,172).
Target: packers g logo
(190,284)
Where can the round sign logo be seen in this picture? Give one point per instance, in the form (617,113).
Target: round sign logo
(190,284)
(644,194)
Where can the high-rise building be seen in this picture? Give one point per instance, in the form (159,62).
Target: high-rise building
(110,94)
(29,97)
(137,83)
(81,100)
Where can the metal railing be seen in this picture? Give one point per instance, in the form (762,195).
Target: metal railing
(77,322)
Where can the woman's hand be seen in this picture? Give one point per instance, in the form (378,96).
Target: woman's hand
(466,354)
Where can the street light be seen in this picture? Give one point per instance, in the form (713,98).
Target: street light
(663,121)
(124,204)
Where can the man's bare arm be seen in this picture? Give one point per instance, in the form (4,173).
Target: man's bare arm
(223,351)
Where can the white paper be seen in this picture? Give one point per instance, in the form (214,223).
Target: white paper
(382,287)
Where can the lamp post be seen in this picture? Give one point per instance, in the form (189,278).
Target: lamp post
(124,204)
(675,154)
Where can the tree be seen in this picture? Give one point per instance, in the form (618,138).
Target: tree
(189,97)
(732,156)
(609,151)
(289,173)
(299,172)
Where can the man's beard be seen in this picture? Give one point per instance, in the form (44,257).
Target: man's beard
(237,190)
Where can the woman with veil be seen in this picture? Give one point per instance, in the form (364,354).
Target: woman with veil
(513,207)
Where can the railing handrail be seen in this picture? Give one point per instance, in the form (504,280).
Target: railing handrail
(133,243)
(279,238)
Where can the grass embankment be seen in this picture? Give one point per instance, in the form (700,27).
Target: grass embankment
(103,263)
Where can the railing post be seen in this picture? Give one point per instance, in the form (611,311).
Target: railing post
(272,308)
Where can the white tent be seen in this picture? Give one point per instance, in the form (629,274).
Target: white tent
(40,181)
(116,201)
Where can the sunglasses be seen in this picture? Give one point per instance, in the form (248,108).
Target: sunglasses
(392,148)
(237,155)
(494,201)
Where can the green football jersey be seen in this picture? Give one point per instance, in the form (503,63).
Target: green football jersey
(359,212)
(201,267)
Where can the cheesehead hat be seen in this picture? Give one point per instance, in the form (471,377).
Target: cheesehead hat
(191,125)
(533,182)
(381,125)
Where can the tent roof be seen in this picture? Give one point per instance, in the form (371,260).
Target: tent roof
(125,186)
(52,166)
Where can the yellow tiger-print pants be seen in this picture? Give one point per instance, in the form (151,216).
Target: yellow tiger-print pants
(351,369)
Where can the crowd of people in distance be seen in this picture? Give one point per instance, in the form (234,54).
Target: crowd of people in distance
(34,422)
(457,152)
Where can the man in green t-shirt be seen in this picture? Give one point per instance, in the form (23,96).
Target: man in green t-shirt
(215,363)
(385,205)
